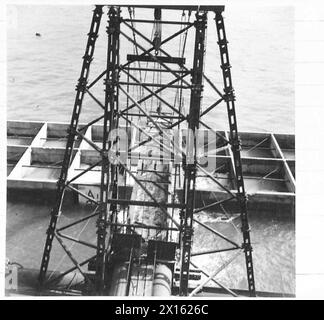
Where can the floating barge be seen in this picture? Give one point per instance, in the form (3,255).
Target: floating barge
(35,151)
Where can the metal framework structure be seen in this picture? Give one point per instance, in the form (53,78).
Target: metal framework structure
(116,236)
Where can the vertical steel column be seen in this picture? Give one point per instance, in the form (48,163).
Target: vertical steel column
(80,88)
(236,147)
(191,161)
(108,171)
(157,25)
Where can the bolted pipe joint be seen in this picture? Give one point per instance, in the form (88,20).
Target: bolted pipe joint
(247,247)
(236,144)
(242,198)
(82,85)
(102,225)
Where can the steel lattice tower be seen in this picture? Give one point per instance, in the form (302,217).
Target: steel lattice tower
(119,241)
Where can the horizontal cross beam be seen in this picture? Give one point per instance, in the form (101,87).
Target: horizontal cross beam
(181,8)
(146,58)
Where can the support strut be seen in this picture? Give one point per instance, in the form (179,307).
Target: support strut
(80,88)
(190,163)
(109,172)
(236,147)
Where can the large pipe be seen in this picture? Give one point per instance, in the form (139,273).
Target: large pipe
(162,281)
(146,278)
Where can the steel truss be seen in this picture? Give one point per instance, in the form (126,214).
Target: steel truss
(115,236)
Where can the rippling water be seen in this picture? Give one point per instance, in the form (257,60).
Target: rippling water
(273,252)
(42,73)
